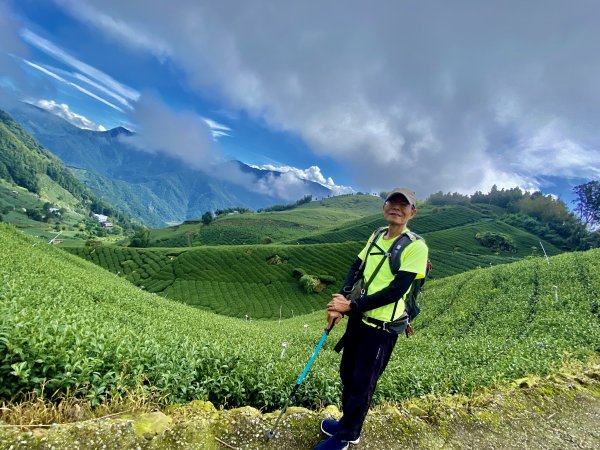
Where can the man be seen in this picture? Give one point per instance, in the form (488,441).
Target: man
(375,318)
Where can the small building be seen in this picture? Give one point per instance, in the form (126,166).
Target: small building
(107,224)
(101,218)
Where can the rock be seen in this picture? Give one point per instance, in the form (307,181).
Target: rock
(525,383)
(151,423)
(416,410)
(389,410)
(203,406)
(245,411)
(331,411)
(297,410)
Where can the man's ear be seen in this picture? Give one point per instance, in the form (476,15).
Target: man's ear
(413,213)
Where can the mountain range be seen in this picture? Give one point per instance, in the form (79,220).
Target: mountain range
(37,189)
(154,188)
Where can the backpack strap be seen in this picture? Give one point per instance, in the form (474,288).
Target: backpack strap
(401,242)
(373,243)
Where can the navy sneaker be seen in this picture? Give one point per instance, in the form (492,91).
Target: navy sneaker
(333,443)
(331,426)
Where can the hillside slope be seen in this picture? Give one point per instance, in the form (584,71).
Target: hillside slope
(161,189)
(207,276)
(68,325)
(290,226)
(38,191)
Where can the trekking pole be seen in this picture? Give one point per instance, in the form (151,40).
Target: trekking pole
(271,432)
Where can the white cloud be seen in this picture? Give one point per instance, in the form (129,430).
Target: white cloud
(102,88)
(217,129)
(120,90)
(287,186)
(550,151)
(57,77)
(435,95)
(62,110)
(313,173)
(123,30)
(181,134)
(12,77)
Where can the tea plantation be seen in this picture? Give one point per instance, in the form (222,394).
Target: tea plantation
(67,325)
(215,277)
(267,227)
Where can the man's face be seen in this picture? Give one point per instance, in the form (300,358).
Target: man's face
(398,211)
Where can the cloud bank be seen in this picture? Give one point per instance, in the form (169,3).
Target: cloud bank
(433,94)
(182,134)
(313,174)
(62,110)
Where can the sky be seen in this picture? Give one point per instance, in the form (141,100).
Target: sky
(434,95)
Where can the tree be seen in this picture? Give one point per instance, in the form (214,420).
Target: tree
(141,238)
(587,203)
(207,218)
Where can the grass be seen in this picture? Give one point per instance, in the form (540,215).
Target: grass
(462,239)
(15,198)
(237,280)
(68,327)
(268,227)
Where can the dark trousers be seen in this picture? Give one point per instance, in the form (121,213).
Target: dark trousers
(367,352)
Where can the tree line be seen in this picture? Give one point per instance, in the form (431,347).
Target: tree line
(544,215)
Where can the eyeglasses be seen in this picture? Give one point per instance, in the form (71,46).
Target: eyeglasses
(400,203)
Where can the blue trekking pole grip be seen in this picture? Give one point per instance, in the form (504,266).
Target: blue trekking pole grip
(271,433)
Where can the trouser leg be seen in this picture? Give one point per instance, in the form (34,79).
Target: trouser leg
(366,354)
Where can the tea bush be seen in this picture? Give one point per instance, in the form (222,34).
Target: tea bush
(68,326)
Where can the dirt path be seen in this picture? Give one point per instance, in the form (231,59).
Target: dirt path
(574,425)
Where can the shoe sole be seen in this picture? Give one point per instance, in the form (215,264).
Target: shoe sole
(329,434)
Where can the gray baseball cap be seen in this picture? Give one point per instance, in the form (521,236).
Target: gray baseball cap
(405,192)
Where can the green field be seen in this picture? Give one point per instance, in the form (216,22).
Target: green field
(230,280)
(267,227)
(69,326)
(238,280)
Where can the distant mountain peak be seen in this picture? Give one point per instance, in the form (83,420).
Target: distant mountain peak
(118,131)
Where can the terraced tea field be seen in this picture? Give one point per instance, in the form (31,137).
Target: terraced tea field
(267,227)
(69,326)
(217,277)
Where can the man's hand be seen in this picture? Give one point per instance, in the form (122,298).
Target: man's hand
(339,303)
(333,317)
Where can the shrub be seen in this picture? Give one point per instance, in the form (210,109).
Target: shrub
(310,283)
(298,272)
(207,218)
(328,279)
(276,260)
(496,241)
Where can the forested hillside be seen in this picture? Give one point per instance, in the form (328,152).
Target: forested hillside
(153,187)
(38,193)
